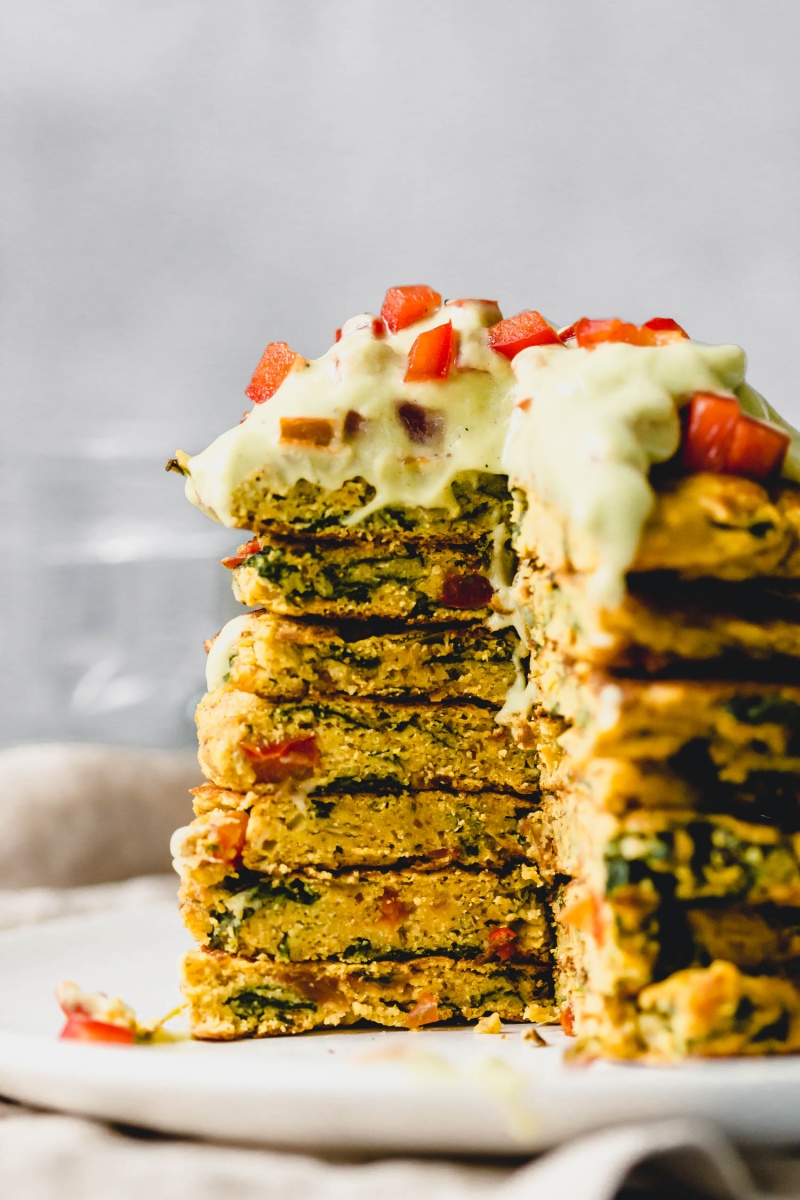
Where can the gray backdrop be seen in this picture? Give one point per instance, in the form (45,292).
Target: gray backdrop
(184,181)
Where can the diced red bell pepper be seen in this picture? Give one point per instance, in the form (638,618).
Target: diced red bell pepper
(568,332)
(589,333)
(404,306)
(422,426)
(307,431)
(568,1020)
(354,424)
(598,921)
(227,832)
(81,1028)
(432,354)
(470,300)
(279,760)
(337,337)
(658,331)
(756,450)
(243,553)
(719,437)
(710,422)
(665,325)
(375,324)
(424,1012)
(513,334)
(274,365)
(501,942)
(466,591)
(393,910)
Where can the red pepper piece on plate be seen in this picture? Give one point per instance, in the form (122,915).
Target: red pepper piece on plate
(432,354)
(517,333)
(244,552)
(81,1028)
(424,1012)
(710,422)
(274,365)
(756,449)
(404,306)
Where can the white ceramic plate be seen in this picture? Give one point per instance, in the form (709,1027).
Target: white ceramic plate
(436,1090)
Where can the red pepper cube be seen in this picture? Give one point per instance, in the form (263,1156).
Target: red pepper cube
(404,306)
(665,325)
(307,431)
(423,427)
(294,757)
(274,365)
(517,333)
(710,422)
(501,942)
(226,833)
(460,303)
(424,1012)
(244,552)
(466,591)
(432,355)
(81,1028)
(567,334)
(756,449)
(589,333)
(568,1020)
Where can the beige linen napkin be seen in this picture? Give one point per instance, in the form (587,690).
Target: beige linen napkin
(86,827)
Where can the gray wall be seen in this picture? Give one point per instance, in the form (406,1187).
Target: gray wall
(185,181)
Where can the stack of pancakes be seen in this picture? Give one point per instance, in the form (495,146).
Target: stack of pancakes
(357,853)
(671,828)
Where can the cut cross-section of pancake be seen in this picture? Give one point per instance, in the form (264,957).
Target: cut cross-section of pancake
(247,742)
(284,829)
(478,503)
(279,658)
(360,915)
(232,997)
(412,581)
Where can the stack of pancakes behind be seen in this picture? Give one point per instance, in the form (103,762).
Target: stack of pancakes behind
(672,821)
